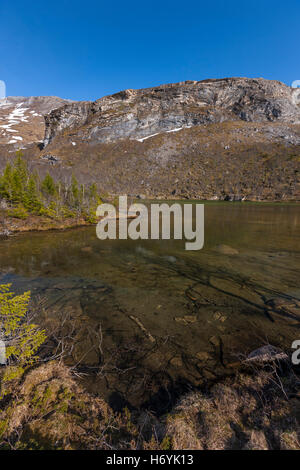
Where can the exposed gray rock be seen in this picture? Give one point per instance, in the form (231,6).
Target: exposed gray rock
(52,159)
(267,354)
(140,114)
(4,233)
(3,204)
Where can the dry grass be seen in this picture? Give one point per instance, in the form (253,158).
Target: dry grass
(248,412)
(48,409)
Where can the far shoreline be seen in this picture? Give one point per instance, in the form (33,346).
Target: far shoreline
(36,223)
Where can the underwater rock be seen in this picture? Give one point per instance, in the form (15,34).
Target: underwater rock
(226,250)
(87,249)
(186,319)
(203,356)
(176,361)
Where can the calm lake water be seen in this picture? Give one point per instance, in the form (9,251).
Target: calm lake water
(169,319)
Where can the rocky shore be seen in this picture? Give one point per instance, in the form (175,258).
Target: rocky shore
(10,225)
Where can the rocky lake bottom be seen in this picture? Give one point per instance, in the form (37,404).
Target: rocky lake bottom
(149,320)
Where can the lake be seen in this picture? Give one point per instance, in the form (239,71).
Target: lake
(148,320)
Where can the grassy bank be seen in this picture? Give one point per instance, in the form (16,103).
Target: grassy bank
(47,408)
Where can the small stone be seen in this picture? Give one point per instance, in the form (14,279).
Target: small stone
(176,361)
(233,365)
(208,375)
(203,356)
(220,316)
(87,249)
(287,305)
(214,340)
(217,316)
(186,319)
(226,250)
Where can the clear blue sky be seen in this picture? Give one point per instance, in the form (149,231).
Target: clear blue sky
(84,50)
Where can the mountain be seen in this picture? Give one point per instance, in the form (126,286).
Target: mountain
(232,138)
(139,114)
(22,119)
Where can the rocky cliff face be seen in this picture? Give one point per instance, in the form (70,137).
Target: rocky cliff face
(138,114)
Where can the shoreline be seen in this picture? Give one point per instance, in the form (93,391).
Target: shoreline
(11,225)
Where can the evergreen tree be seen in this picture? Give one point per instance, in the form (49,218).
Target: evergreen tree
(48,186)
(31,199)
(5,182)
(82,193)
(93,195)
(19,178)
(75,190)
(21,337)
(26,194)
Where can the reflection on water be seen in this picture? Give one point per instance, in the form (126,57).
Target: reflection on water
(168,316)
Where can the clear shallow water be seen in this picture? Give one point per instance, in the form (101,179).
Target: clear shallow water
(170,318)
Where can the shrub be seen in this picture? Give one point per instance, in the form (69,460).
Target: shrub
(48,186)
(19,212)
(21,337)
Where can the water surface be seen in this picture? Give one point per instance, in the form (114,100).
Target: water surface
(168,318)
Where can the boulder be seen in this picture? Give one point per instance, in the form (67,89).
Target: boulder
(267,354)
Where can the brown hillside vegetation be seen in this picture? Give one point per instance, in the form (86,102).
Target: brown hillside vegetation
(217,161)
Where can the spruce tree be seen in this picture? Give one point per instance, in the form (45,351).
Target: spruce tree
(75,190)
(93,195)
(31,199)
(18,180)
(5,182)
(48,186)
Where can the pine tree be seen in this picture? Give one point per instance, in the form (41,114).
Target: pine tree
(75,190)
(93,195)
(17,187)
(27,194)
(48,186)
(5,182)
(19,178)
(31,199)
(82,193)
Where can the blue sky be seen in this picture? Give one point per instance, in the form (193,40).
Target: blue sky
(84,50)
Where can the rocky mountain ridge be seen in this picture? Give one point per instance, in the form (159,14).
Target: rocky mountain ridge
(22,118)
(140,114)
(233,138)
